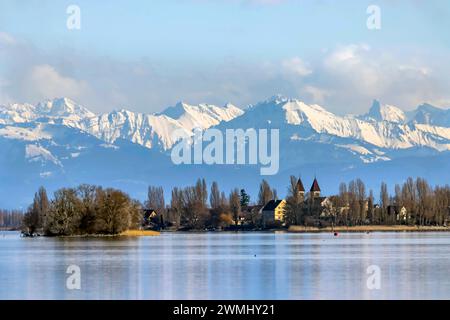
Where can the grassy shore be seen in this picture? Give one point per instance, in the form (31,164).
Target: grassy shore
(374,228)
(140,233)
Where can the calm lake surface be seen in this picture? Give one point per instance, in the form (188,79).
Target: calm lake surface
(228,266)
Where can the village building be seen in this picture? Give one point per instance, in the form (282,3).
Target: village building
(301,189)
(274,211)
(152,219)
(251,214)
(398,214)
(314,205)
(315,189)
(149,214)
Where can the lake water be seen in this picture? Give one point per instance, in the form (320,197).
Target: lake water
(228,266)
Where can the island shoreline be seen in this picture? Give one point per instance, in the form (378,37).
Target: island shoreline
(368,228)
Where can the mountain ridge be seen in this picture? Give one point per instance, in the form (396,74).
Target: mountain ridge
(58,143)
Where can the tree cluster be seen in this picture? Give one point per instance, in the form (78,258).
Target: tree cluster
(422,204)
(93,210)
(83,210)
(10,219)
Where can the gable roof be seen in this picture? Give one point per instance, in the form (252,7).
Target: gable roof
(252,208)
(300,186)
(272,205)
(315,186)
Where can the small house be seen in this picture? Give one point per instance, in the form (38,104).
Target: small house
(149,215)
(274,211)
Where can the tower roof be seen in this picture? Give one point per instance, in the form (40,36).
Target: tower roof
(300,186)
(315,186)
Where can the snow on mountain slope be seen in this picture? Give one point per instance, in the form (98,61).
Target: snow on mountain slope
(63,110)
(16,113)
(383,126)
(304,129)
(26,133)
(202,116)
(383,134)
(146,130)
(38,153)
(59,143)
(390,133)
(379,112)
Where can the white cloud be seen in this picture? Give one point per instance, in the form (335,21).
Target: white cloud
(355,65)
(316,94)
(4,98)
(344,79)
(44,81)
(6,39)
(296,66)
(355,74)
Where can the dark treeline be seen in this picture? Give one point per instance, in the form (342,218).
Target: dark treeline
(94,210)
(10,219)
(83,210)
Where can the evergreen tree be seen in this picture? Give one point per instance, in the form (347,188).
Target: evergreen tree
(245,198)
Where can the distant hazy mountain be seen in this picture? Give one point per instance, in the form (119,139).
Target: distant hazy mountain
(388,113)
(59,143)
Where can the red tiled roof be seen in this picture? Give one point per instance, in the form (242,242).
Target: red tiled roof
(315,186)
(300,186)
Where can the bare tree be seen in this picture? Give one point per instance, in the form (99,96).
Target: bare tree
(370,208)
(235,205)
(155,199)
(36,214)
(265,193)
(294,203)
(64,213)
(214,198)
(177,205)
(384,201)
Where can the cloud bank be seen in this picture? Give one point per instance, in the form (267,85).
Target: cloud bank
(344,79)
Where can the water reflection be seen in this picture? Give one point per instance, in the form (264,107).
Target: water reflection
(228,266)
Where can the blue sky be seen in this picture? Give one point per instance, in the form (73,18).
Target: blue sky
(147,55)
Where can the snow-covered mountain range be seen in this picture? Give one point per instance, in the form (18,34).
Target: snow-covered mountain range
(59,142)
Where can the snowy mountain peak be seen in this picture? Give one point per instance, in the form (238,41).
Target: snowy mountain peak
(201,116)
(62,108)
(379,112)
(430,115)
(277,99)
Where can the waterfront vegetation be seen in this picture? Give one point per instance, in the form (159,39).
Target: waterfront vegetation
(81,211)
(10,219)
(92,210)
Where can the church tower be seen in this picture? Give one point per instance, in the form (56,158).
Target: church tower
(315,189)
(300,190)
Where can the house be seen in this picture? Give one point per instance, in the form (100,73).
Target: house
(398,213)
(274,211)
(152,217)
(149,214)
(251,215)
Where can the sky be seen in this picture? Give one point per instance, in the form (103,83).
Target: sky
(148,55)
